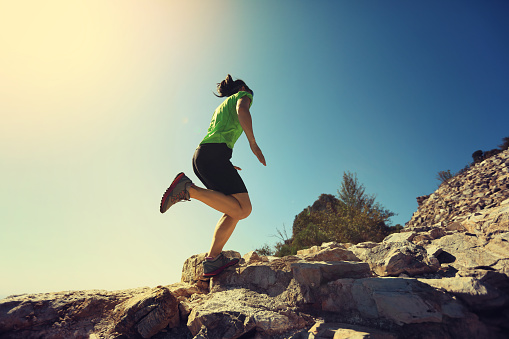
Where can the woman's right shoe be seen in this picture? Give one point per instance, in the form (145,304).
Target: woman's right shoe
(176,192)
(212,268)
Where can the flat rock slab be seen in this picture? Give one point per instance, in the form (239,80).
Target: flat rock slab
(397,300)
(318,273)
(474,292)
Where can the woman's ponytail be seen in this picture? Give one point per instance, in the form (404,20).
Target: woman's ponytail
(229,86)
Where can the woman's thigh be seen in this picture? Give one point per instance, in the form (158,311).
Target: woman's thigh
(212,165)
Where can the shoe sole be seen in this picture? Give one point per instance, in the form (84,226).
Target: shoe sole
(221,269)
(166,194)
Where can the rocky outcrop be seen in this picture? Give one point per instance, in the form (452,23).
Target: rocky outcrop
(289,297)
(446,275)
(135,313)
(485,185)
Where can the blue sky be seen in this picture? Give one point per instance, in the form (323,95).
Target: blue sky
(103,104)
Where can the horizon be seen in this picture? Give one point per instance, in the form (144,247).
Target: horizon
(103,105)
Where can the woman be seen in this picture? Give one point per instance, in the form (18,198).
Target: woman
(225,191)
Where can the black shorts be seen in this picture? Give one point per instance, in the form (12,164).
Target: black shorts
(212,165)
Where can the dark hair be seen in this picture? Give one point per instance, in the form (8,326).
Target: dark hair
(229,87)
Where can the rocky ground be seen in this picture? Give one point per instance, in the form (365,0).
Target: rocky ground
(445,276)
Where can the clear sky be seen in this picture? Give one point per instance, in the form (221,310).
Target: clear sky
(103,103)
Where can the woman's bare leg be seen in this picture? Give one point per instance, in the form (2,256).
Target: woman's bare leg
(222,233)
(237,206)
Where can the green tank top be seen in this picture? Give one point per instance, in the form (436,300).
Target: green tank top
(225,126)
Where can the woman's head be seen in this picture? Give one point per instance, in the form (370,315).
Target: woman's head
(229,87)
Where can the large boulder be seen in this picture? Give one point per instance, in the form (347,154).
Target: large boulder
(233,313)
(146,314)
(394,258)
(469,251)
(192,270)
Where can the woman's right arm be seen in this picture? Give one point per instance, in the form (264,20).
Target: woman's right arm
(247,125)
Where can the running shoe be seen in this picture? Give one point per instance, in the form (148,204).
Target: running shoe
(212,268)
(176,192)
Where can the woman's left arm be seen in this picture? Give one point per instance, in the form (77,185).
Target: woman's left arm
(247,125)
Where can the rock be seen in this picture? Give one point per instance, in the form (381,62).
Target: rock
(455,226)
(230,314)
(192,270)
(252,257)
(318,273)
(492,220)
(478,295)
(347,331)
(271,279)
(182,291)
(329,245)
(399,237)
(434,250)
(146,314)
(71,314)
(311,250)
(362,248)
(469,251)
(331,254)
(394,258)
(397,301)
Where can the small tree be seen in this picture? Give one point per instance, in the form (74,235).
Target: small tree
(491,153)
(477,156)
(505,144)
(358,218)
(444,176)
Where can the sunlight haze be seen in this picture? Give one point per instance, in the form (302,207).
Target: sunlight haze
(103,103)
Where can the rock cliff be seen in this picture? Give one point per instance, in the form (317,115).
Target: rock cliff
(446,275)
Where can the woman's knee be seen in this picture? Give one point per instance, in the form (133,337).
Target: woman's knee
(245,212)
(245,206)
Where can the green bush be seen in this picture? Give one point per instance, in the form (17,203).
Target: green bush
(265,250)
(351,217)
(310,236)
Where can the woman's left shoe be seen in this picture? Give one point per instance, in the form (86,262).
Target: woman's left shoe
(211,268)
(176,192)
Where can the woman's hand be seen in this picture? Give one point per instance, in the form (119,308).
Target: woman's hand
(258,152)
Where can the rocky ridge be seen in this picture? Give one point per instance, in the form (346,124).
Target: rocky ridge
(485,185)
(446,275)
